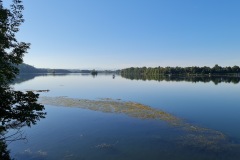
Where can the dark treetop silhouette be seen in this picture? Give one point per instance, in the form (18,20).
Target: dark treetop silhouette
(17,109)
(216,70)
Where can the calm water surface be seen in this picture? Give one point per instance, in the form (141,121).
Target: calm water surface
(75,133)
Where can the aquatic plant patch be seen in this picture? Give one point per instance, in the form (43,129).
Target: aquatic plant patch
(194,136)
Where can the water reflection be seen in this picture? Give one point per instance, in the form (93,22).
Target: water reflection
(193,136)
(17,109)
(26,77)
(216,79)
(91,132)
(177,78)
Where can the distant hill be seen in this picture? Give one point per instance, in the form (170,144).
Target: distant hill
(25,68)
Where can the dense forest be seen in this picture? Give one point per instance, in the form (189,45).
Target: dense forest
(216,70)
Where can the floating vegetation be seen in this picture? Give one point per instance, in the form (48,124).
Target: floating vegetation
(29,154)
(113,106)
(104,146)
(194,136)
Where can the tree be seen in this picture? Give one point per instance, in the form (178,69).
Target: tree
(17,109)
(236,69)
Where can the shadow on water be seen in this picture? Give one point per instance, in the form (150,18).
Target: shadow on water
(216,79)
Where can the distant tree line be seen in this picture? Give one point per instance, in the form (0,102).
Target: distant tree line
(25,68)
(180,70)
(94,72)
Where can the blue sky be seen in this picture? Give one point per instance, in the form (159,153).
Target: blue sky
(114,34)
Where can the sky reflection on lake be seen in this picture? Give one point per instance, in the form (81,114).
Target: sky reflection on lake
(203,104)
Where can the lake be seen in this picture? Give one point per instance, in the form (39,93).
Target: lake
(112,118)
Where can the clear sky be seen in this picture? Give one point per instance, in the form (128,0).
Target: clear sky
(114,34)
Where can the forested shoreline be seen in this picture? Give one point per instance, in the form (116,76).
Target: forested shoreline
(194,70)
(25,69)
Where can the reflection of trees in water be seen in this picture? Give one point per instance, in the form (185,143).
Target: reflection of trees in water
(25,77)
(177,78)
(29,76)
(17,109)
